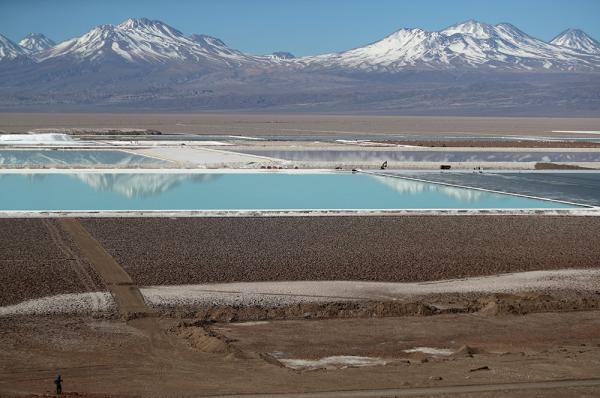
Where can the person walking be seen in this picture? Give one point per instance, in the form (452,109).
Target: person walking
(58,381)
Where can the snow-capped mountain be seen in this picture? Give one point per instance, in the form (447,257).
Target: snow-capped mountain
(144,41)
(8,49)
(578,40)
(469,44)
(468,67)
(35,42)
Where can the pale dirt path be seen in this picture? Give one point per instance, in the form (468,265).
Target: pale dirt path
(431,391)
(80,269)
(162,347)
(126,294)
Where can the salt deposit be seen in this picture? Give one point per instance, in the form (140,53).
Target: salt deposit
(431,351)
(244,137)
(333,362)
(166,143)
(294,292)
(205,157)
(34,139)
(73,303)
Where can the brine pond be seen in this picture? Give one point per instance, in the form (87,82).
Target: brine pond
(53,157)
(92,190)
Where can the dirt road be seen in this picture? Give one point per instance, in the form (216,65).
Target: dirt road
(432,391)
(126,294)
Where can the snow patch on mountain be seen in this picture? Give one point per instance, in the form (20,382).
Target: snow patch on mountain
(35,42)
(282,55)
(9,50)
(578,40)
(471,28)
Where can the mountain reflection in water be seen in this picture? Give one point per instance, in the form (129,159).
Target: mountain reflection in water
(140,185)
(240,191)
(415,188)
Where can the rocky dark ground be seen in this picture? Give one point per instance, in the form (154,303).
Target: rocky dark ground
(38,259)
(156,251)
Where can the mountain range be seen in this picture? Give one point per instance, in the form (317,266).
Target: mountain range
(147,64)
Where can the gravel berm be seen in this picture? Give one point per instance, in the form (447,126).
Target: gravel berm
(163,251)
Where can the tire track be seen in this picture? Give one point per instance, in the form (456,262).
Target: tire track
(76,264)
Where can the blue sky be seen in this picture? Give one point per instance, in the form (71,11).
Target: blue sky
(299,26)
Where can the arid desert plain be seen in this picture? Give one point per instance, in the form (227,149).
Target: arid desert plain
(251,255)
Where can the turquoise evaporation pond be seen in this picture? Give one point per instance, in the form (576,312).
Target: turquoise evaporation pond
(241,191)
(73,157)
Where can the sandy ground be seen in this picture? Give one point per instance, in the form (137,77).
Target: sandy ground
(127,358)
(165,251)
(401,337)
(308,125)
